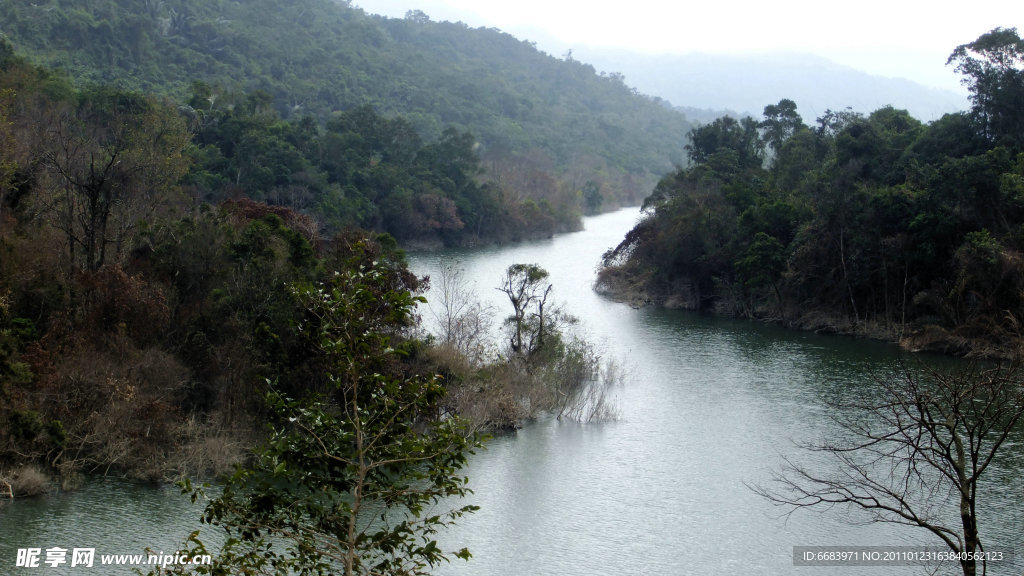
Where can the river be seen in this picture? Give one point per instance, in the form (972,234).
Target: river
(708,409)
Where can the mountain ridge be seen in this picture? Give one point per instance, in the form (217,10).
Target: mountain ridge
(726,85)
(318,57)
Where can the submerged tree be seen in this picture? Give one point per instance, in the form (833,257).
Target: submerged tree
(348,483)
(556,371)
(915,456)
(525,286)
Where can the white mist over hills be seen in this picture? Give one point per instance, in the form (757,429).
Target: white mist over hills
(746,83)
(704,84)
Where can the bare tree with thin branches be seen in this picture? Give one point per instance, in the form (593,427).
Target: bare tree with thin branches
(916,455)
(462,319)
(114,161)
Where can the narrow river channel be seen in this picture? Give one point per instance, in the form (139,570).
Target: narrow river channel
(709,407)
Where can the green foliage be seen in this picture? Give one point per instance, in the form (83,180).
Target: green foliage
(727,136)
(592,197)
(780,122)
(28,431)
(994,69)
(363,170)
(14,334)
(25,425)
(148,304)
(525,287)
(877,220)
(348,483)
(309,122)
(763,262)
(318,57)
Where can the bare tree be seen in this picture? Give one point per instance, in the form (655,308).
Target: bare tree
(113,159)
(462,319)
(915,456)
(7,144)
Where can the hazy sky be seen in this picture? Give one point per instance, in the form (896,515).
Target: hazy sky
(886,37)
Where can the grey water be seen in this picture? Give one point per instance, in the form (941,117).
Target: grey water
(708,408)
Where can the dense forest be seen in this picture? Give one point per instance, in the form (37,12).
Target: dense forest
(542,125)
(357,169)
(157,262)
(874,224)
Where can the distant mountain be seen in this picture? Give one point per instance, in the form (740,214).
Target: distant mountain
(745,84)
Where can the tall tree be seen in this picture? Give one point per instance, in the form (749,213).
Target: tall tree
(780,122)
(346,484)
(994,69)
(525,286)
(114,158)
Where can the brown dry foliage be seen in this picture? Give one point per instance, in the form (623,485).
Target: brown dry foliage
(248,210)
(119,404)
(23,481)
(118,303)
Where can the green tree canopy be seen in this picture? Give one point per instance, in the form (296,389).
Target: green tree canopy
(348,483)
(993,66)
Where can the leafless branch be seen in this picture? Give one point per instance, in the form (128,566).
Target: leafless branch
(915,454)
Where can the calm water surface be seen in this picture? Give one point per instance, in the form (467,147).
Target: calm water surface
(709,407)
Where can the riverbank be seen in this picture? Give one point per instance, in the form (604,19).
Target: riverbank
(24,481)
(994,339)
(158,371)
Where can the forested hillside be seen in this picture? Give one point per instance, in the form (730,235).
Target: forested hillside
(153,258)
(539,121)
(873,224)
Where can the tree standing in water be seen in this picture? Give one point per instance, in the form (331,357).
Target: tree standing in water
(922,447)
